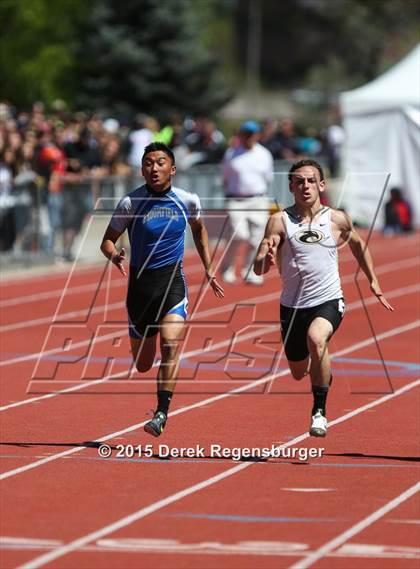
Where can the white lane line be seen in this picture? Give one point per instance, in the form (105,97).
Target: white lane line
(396,292)
(202,403)
(366,550)
(49,294)
(171,546)
(257,299)
(415,522)
(354,530)
(67,289)
(194,266)
(213,348)
(260,299)
(344,280)
(383,336)
(51,272)
(85,313)
(160,504)
(74,290)
(362,344)
(28,542)
(308,489)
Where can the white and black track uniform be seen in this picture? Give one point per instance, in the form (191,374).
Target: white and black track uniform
(311,281)
(156,225)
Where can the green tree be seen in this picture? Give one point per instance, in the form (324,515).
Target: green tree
(146,57)
(345,39)
(36,49)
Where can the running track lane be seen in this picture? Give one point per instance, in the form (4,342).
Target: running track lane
(67,412)
(396,318)
(250,411)
(262,490)
(21,376)
(57,413)
(194,432)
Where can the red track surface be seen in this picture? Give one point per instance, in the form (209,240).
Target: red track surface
(65,506)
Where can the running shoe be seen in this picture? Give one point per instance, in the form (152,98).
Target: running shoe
(156,425)
(318,425)
(251,278)
(229,276)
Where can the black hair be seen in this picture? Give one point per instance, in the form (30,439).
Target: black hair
(396,193)
(306,162)
(155,146)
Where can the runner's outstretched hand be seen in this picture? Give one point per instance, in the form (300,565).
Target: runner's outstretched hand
(376,289)
(216,286)
(118,261)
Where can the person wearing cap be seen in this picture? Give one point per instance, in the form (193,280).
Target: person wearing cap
(247,173)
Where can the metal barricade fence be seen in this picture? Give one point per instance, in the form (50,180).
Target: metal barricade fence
(26,225)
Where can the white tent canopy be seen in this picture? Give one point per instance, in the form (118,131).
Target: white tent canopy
(382,126)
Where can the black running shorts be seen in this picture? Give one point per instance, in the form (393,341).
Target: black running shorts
(295,323)
(153,294)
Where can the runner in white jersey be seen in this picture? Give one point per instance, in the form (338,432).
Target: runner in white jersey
(303,240)
(156,217)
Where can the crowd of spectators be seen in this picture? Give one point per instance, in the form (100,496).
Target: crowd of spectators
(53,164)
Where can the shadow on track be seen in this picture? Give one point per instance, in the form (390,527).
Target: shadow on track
(384,457)
(87,444)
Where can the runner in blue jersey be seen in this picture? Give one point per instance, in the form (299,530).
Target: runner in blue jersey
(155,216)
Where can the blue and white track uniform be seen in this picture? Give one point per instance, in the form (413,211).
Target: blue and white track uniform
(156,225)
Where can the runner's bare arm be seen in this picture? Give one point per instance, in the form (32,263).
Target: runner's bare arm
(201,240)
(110,251)
(360,252)
(271,243)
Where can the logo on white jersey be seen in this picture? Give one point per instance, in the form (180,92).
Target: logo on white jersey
(309,236)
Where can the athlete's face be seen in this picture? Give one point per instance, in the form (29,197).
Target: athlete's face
(157,169)
(249,139)
(306,186)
